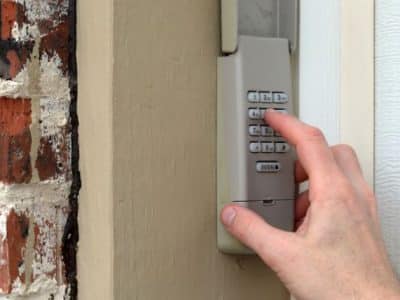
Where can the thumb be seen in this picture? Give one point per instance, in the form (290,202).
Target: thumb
(274,246)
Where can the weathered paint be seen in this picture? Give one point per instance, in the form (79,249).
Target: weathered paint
(39,177)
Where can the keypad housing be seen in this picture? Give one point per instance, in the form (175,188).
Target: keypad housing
(255,164)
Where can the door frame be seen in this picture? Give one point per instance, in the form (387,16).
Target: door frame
(336,73)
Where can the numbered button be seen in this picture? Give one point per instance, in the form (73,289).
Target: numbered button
(254,114)
(255,147)
(282,147)
(265,97)
(253,96)
(281,110)
(268,166)
(267,131)
(280,98)
(268,147)
(255,130)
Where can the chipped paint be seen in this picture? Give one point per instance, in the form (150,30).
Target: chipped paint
(55,104)
(16,88)
(40,258)
(24,32)
(3,231)
(45,10)
(21,197)
(42,289)
(36,66)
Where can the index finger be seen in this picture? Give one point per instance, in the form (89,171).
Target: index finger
(312,149)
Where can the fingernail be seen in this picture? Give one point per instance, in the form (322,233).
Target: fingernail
(271,110)
(228,216)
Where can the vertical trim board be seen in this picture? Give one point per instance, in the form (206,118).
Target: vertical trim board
(336,73)
(388,122)
(95,254)
(319,66)
(357,81)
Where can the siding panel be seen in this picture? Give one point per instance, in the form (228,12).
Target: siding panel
(388,122)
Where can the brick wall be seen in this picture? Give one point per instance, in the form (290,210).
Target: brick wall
(39,178)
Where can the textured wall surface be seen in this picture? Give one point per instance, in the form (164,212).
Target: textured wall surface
(164,159)
(388,122)
(38,153)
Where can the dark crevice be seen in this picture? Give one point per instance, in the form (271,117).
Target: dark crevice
(71,232)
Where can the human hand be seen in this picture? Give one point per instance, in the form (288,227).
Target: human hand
(337,250)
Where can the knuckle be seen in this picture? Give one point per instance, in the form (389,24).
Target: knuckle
(314,133)
(347,150)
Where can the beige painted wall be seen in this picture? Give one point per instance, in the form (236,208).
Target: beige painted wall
(148,128)
(147,105)
(165,160)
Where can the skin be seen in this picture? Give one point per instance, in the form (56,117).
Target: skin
(337,251)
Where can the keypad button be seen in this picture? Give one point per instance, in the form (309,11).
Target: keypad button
(280,98)
(253,96)
(254,114)
(268,167)
(268,147)
(282,147)
(255,147)
(267,131)
(265,97)
(262,112)
(255,130)
(281,110)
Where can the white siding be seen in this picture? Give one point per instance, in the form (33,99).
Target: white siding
(319,66)
(388,122)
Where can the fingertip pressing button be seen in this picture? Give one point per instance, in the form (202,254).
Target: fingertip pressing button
(281,110)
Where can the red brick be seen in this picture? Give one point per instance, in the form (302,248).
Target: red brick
(53,157)
(48,222)
(15,140)
(9,12)
(56,42)
(47,247)
(13,250)
(53,161)
(15,63)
